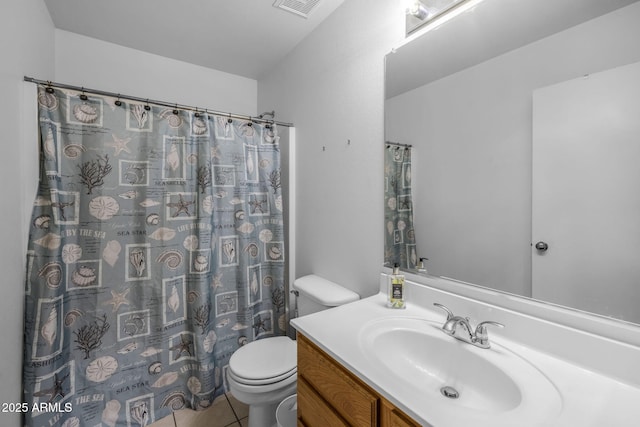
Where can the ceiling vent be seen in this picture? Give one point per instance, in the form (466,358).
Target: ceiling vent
(299,7)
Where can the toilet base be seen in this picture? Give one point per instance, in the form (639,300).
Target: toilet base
(262,415)
(263,406)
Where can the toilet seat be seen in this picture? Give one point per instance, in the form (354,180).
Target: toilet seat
(263,362)
(262,381)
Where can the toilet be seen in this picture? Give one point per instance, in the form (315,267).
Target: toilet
(264,372)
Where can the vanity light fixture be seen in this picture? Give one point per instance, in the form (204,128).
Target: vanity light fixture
(418,10)
(421,12)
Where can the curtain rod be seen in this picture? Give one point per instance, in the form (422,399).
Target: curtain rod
(398,143)
(156,102)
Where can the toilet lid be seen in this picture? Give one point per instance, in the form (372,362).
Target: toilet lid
(284,379)
(267,359)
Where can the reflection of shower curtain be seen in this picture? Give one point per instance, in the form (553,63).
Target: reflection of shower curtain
(156,249)
(400,244)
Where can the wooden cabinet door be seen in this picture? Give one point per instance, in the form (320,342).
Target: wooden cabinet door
(393,417)
(352,400)
(313,411)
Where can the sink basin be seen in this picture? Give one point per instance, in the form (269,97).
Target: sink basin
(471,384)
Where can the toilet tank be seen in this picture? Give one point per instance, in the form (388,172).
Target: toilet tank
(316,294)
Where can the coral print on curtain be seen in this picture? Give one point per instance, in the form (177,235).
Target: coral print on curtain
(156,249)
(400,244)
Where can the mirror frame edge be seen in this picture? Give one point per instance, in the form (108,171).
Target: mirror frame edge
(587,322)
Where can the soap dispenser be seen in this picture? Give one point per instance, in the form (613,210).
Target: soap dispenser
(395,298)
(421,267)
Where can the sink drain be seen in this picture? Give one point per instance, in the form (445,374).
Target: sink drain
(449,392)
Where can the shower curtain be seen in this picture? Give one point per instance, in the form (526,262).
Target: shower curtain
(156,249)
(400,244)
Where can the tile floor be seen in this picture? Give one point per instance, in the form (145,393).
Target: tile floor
(226,411)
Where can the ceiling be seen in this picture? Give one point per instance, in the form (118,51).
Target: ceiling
(243,37)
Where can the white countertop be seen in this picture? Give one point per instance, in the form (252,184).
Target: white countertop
(588,398)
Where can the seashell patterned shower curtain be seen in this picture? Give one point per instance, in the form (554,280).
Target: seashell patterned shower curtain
(399,235)
(156,249)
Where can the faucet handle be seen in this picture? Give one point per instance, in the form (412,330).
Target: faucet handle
(481,338)
(449,312)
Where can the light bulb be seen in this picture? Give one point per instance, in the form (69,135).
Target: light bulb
(418,10)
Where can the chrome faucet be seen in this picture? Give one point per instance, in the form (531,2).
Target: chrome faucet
(460,328)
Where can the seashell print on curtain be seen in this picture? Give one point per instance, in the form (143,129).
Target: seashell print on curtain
(399,236)
(156,249)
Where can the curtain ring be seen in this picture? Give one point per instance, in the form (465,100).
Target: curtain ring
(229,120)
(197,114)
(118,102)
(49,89)
(82,95)
(147,107)
(175,110)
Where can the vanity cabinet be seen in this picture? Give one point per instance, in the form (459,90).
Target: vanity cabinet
(329,395)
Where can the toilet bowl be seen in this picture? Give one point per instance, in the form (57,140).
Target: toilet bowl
(264,372)
(261,374)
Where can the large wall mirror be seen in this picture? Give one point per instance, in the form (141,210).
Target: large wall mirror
(524,118)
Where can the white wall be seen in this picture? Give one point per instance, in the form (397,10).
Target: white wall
(331,88)
(92,63)
(26,48)
(472,133)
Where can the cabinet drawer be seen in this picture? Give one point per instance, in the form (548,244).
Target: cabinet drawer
(351,399)
(312,409)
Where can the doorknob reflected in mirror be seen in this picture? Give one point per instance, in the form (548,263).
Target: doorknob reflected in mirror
(542,246)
